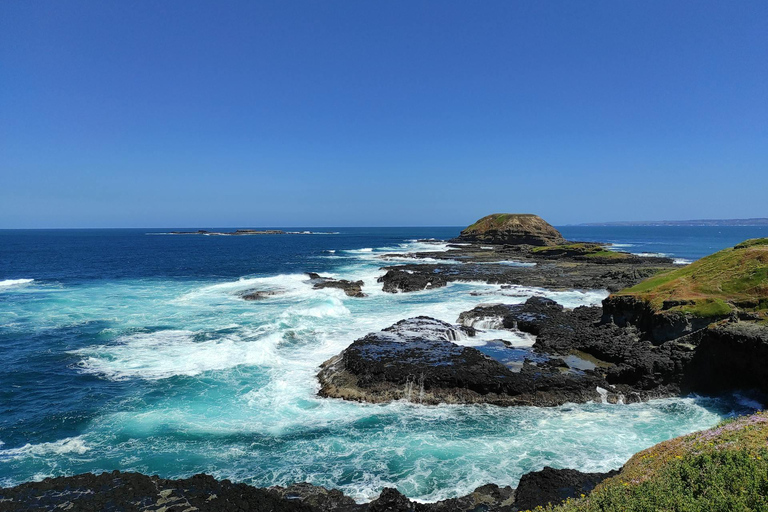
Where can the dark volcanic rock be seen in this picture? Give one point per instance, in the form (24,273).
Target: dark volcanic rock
(119,491)
(730,357)
(318,498)
(351,288)
(399,280)
(259,294)
(551,275)
(415,360)
(555,485)
(512,228)
(127,492)
(624,310)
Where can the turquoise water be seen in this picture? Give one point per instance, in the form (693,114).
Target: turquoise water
(123,350)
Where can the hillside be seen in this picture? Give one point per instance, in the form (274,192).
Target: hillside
(732,282)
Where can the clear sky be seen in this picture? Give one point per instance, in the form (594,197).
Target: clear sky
(389,113)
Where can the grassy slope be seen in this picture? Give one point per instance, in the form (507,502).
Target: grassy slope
(722,469)
(498,220)
(713,285)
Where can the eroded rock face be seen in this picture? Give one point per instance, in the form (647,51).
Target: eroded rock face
(733,356)
(416,360)
(657,326)
(513,229)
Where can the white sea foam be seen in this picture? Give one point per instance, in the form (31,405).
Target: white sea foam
(652,254)
(68,446)
(163,354)
(14,283)
(681,261)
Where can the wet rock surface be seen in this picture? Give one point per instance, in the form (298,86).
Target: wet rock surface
(416,360)
(259,294)
(409,280)
(519,265)
(127,492)
(555,485)
(351,288)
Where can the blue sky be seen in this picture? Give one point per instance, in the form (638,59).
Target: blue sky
(362,113)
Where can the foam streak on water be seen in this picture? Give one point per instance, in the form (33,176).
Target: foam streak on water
(183,376)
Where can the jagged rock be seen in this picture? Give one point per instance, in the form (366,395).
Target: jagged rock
(259,294)
(512,228)
(551,485)
(351,288)
(118,491)
(319,498)
(729,357)
(122,492)
(397,280)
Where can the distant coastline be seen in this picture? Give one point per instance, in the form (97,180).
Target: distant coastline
(702,222)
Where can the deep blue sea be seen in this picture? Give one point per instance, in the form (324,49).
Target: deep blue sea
(131,349)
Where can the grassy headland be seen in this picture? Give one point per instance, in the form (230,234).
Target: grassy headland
(714,286)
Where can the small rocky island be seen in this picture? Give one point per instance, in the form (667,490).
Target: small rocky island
(521,249)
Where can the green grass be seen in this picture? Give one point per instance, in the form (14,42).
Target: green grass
(611,255)
(495,221)
(712,285)
(581,249)
(721,469)
(577,247)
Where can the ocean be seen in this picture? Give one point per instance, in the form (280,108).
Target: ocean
(131,349)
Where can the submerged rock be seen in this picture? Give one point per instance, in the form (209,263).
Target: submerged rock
(513,229)
(259,294)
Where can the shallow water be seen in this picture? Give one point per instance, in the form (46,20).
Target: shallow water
(135,352)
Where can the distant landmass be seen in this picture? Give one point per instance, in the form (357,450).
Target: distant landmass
(702,222)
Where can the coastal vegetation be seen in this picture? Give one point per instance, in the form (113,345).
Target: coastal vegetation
(734,279)
(721,469)
(513,229)
(581,250)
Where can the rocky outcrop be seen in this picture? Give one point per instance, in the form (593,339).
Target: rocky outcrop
(633,368)
(731,356)
(259,294)
(416,360)
(122,491)
(513,229)
(730,284)
(351,288)
(400,280)
(555,485)
(656,325)
(118,491)
(559,275)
